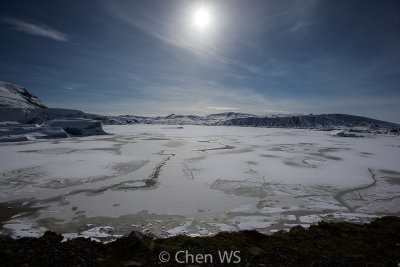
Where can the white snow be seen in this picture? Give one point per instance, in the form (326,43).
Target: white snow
(68,236)
(180,229)
(98,232)
(202,231)
(22,228)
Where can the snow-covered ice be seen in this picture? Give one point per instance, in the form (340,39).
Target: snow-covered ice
(180,229)
(195,180)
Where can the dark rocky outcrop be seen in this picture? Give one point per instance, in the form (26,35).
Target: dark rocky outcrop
(325,244)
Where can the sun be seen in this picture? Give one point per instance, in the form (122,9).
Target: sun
(202,18)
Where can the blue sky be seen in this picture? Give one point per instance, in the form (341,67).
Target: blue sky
(147,57)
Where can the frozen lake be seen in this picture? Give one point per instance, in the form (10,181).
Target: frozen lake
(197,180)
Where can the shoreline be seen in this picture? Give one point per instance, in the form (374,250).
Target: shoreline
(329,243)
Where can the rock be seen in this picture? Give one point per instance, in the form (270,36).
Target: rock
(297,229)
(256,251)
(78,126)
(133,263)
(280,232)
(130,242)
(52,237)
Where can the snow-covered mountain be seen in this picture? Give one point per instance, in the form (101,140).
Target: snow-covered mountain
(16,96)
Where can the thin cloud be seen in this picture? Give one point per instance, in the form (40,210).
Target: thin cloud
(299,26)
(37,29)
(223,108)
(72,86)
(275,111)
(180,39)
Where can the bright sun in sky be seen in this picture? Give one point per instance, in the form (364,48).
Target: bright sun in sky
(202,18)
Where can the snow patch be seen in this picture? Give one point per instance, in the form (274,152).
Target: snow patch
(223,227)
(181,229)
(251,222)
(310,219)
(24,229)
(99,233)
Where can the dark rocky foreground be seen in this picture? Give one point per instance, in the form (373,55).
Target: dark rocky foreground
(327,244)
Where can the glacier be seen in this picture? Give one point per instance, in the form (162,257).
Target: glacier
(23,117)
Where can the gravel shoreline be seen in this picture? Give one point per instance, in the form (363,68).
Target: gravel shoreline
(327,244)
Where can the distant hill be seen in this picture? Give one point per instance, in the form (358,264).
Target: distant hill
(322,121)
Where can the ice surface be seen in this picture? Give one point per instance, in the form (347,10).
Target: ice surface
(172,180)
(309,219)
(224,227)
(251,222)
